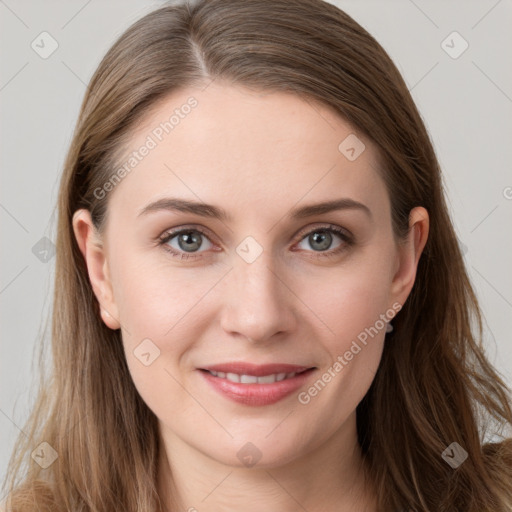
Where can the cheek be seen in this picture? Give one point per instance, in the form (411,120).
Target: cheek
(158,323)
(352,307)
(352,303)
(349,298)
(154,297)
(161,309)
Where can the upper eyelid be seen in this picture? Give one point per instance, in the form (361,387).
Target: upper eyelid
(171,233)
(328,226)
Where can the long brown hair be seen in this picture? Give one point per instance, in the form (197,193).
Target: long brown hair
(434,385)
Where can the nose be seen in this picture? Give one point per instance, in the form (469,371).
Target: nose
(257,302)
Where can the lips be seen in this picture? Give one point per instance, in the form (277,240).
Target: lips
(252,384)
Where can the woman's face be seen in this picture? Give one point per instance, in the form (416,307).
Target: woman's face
(268,283)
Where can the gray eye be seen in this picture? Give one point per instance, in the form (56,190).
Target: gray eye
(319,239)
(188,241)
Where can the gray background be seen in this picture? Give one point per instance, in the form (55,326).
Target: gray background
(465,102)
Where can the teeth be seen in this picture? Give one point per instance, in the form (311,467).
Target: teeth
(252,379)
(267,379)
(248,379)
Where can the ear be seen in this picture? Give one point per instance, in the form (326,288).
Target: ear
(409,255)
(91,247)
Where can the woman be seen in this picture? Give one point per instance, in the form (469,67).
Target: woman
(260,300)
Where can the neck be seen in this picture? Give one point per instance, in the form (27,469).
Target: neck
(329,478)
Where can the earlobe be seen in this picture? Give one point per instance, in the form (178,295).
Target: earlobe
(409,254)
(92,249)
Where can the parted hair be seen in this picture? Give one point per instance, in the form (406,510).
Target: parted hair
(434,385)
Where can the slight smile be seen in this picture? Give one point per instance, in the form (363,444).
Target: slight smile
(256,385)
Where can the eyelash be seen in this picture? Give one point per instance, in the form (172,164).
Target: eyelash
(331,228)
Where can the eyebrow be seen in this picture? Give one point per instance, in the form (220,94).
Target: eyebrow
(209,210)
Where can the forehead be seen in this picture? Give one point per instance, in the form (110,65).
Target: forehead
(258,151)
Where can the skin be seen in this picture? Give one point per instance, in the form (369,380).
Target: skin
(258,156)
